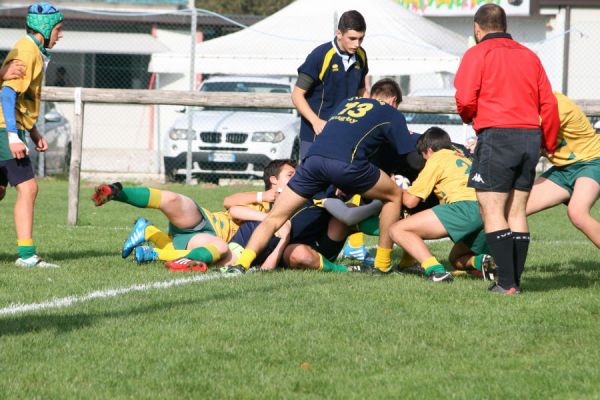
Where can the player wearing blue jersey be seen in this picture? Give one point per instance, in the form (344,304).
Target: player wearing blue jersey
(341,157)
(332,73)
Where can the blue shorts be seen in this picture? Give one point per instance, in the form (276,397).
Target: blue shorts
(242,236)
(316,173)
(17,171)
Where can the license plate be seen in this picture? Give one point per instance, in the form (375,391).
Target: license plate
(221,157)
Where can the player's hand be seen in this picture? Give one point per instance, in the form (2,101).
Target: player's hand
(318,126)
(270,195)
(14,69)
(41,145)
(18,150)
(285,230)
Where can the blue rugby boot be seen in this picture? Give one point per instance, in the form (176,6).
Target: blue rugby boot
(136,237)
(144,254)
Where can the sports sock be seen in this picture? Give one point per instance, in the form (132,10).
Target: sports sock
(356,240)
(25,248)
(157,237)
(521,246)
(327,266)
(246,258)
(370,226)
(432,265)
(407,260)
(207,254)
(141,197)
(475,261)
(383,259)
(502,249)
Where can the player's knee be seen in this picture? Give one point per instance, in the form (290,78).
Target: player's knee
(301,257)
(28,189)
(396,232)
(578,216)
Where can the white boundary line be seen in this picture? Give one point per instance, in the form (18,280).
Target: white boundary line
(102,294)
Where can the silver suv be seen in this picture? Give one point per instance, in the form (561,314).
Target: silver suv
(233,142)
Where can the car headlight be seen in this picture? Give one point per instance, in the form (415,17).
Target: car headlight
(181,134)
(271,137)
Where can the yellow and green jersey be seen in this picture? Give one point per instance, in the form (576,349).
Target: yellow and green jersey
(577,139)
(223,225)
(446,172)
(29,87)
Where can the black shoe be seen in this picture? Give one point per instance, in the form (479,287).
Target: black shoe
(414,269)
(495,288)
(441,277)
(105,193)
(374,271)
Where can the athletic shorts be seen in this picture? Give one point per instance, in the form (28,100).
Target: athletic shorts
(316,173)
(309,227)
(505,159)
(3,177)
(16,171)
(566,176)
(463,222)
(242,236)
(182,236)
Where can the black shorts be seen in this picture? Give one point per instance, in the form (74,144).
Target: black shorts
(316,173)
(17,171)
(505,159)
(243,235)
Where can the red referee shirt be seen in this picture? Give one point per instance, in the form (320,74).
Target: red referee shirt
(502,84)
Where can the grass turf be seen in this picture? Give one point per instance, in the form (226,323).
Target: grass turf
(289,334)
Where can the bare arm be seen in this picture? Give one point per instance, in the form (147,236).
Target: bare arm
(245,198)
(410,200)
(299,100)
(243,213)
(14,69)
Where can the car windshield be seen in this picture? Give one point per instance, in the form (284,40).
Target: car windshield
(432,119)
(247,87)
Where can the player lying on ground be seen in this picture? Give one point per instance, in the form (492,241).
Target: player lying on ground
(446,172)
(340,157)
(194,232)
(574,178)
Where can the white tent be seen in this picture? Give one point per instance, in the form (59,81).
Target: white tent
(397,42)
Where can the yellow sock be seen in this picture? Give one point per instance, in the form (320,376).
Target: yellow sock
(246,258)
(430,262)
(471,263)
(24,242)
(383,259)
(157,237)
(169,253)
(356,240)
(154,200)
(407,260)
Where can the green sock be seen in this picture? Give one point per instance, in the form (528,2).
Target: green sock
(370,226)
(26,251)
(439,268)
(328,266)
(207,254)
(141,197)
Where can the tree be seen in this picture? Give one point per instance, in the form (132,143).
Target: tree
(243,7)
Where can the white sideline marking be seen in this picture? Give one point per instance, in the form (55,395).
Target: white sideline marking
(102,294)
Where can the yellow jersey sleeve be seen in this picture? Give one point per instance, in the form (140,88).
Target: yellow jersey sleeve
(577,139)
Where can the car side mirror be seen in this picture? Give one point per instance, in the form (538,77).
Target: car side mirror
(52,116)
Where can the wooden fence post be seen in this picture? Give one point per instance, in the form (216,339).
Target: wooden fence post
(75,166)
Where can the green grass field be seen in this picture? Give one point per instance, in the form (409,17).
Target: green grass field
(287,334)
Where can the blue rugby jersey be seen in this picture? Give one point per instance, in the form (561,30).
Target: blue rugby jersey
(332,82)
(358,127)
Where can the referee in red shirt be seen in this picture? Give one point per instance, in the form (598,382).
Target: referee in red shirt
(502,88)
